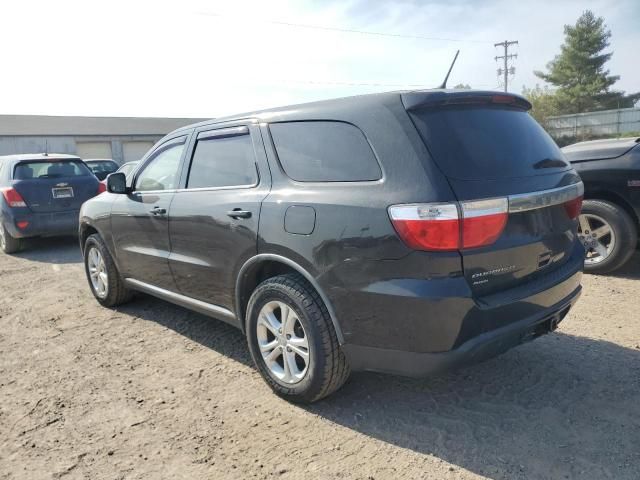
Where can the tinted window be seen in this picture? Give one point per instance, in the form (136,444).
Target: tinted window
(103,166)
(52,169)
(485,143)
(162,172)
(324,152)
(223,162)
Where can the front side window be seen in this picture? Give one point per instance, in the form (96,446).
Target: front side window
(223,161)
(162,171)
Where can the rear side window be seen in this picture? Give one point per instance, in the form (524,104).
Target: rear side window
(223,161)
(324,152)
(484,142)
(55,169)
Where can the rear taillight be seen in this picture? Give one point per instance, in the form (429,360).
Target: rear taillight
(483,221)
(101,188)
(430,226)
(436,226)
(573,207)
(13,198)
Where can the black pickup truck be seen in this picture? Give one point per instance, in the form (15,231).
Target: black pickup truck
(610,171)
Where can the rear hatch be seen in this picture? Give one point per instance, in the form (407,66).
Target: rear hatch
(489,147)
(54,185)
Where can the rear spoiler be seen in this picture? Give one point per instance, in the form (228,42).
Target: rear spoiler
(441,98)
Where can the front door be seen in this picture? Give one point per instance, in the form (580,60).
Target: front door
(139,219)
(213,221)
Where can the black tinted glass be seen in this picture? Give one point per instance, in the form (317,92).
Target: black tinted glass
(485,143)
(53,169)
(223,162)
(324,152)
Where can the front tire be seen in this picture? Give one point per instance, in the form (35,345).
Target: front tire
(608,234)
(292,340)
(8,244)
(103,276)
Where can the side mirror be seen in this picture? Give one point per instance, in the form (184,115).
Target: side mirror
(117,183)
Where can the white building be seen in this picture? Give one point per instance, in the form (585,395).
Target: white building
(120,138)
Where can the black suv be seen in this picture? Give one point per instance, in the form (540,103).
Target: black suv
(608,226)
(406,232)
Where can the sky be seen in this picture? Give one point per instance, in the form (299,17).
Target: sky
(206,58)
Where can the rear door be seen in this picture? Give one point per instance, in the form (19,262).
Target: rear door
(139,219)
(213,221)
(54,185)
(498,151)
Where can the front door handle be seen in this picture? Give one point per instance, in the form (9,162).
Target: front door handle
(238,213)
(158,211)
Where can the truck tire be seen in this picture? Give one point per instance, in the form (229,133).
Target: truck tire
(292,340)
(104,279)
(608,234)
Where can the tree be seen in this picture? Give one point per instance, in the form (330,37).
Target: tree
(463,86)
(583,84)
(544,103)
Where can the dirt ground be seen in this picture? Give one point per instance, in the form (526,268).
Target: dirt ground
(154,391)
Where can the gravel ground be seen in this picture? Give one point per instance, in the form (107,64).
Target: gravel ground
(153,391)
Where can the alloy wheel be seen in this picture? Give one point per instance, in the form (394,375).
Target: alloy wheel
(98,272)
(597,236)
(283,342)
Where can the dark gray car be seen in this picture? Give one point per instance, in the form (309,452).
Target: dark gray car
(406,233)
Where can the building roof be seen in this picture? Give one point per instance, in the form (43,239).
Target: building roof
(37,125)
(599,149)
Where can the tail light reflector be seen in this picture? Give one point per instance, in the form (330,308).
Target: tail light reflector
(13,198)
(22,225)
(573,207)
(102,187)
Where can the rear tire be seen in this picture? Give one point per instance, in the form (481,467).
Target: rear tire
(309,326)
(103,276)
(8,244)
(624,235)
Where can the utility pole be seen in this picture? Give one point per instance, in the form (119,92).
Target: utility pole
(506,57)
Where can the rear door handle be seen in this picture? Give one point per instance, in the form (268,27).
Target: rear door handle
(158,211)
(238,213)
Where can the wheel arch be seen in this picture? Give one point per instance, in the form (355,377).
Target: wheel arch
(266,265)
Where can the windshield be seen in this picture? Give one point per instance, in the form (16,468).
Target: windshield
(472,143)
(103,166)
(50,169)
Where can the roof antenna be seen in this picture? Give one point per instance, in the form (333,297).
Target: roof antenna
(46,147)
(444,83)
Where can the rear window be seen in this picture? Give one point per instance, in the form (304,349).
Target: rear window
(484,143)
(52,169)
(324,152)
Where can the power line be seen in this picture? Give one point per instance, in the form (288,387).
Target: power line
(350,30)
(506,57)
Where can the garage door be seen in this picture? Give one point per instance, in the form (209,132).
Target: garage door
(88,150)
(135,150)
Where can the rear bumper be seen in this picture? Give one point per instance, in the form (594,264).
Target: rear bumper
(482,347)
(427,328)
(41,224)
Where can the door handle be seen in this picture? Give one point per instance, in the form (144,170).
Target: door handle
(158,211)
(238,213)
